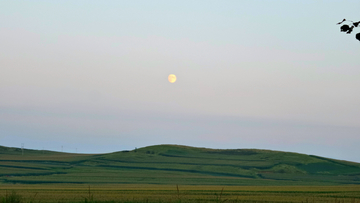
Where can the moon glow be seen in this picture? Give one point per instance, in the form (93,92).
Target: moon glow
(172,78)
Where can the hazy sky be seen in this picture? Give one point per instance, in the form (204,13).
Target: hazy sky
(92,75)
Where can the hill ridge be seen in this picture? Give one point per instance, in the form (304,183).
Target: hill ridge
(17,149)
(176,164)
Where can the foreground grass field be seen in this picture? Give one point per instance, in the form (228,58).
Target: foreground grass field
(173,164)
(170,193)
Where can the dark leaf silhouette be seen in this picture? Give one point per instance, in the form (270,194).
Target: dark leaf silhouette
(344,28)
(341,21)
(358,36)
(349,27)
(350,30)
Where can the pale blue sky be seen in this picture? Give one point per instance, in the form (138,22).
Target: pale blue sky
(92,75)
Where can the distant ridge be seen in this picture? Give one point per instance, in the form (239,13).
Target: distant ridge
(175,164)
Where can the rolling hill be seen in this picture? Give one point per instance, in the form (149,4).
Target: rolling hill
(175,164)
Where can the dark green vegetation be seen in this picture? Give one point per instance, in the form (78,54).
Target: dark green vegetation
(173,164)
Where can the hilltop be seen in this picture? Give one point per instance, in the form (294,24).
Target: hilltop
(175,164)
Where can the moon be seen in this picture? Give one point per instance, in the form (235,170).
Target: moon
(172,78)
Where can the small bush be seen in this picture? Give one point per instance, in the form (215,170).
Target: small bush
(11,198)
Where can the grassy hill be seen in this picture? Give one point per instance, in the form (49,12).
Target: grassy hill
(174,164)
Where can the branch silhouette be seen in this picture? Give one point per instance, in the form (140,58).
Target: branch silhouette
(348,28)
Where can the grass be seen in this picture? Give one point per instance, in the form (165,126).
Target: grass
(174,164)
(177,193)
(11,198)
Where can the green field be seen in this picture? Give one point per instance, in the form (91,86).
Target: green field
(112,193)
(172,165)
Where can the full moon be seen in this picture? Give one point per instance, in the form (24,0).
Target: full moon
(172,78)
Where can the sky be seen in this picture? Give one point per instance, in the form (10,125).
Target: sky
(91,76)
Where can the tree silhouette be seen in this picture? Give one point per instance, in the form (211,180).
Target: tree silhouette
(348,28)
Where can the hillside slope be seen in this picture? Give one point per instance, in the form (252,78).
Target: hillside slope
(174,164)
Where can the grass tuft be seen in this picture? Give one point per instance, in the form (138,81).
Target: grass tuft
(13,197)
